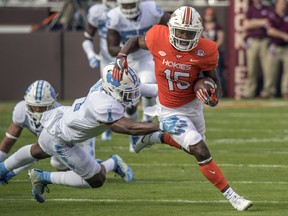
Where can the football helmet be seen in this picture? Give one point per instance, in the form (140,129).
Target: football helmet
(39,94)
(129,8)
(185,28)
(126,91)
(110,3)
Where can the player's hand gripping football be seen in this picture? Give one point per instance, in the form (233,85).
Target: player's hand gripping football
(206,98)
(172,125)
(120,67)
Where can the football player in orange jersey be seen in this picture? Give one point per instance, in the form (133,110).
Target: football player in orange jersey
(180,55)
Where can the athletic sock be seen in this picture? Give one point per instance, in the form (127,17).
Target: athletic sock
(167,139)
(213,173)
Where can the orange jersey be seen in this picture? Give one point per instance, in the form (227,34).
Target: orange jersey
(176,71)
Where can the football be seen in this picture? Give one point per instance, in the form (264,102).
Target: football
(204,83)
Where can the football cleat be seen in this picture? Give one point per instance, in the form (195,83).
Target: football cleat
(239,203)
(122,169)
(143,142)
(5,178)
(38,184)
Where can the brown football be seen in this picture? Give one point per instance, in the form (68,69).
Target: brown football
(204,83)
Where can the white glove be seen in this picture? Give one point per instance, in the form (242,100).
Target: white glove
(93,62)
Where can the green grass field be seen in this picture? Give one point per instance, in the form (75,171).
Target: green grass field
(248,140)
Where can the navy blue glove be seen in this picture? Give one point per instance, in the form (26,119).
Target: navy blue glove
(172,125)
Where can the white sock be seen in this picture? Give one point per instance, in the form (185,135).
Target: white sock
(3,156)
(109,165)
(68,178)
(20,169)
(20,158)
(229,193)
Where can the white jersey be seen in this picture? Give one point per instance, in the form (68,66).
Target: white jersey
(20,118)
(85,118)
(97,18)
(150,14)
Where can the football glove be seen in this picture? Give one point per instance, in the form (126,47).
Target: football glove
(206,98)
(120,67)
(172,125)
(93,62)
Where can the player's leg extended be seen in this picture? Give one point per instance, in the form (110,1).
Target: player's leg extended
(85,171)
(193,143)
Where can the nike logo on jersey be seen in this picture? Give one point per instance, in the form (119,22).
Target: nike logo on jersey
(192,60)
(162,53)
(213,172)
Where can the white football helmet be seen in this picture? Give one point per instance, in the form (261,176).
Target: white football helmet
(185,28)
(110,3)
(127,91)
(39,94)
(129,8)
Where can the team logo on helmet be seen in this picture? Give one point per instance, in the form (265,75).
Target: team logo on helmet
(109,78)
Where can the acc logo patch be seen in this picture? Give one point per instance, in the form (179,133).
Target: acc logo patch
(200,52)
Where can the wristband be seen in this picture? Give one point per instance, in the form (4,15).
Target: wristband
(11,136)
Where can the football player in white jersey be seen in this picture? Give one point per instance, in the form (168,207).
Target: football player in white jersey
(65,126)
(97,24)
(130,18)
(40,96)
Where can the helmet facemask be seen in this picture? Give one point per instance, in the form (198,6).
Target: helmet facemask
(110,3)
(129,8)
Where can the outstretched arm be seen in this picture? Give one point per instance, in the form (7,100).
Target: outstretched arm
(121,66)
(171,124)
(126,126)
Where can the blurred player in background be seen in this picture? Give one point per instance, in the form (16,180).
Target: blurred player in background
(180,55)
(39,97)
(65,126)
(97,23)
(130,18)
(256,45)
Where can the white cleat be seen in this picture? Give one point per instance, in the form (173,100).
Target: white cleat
(239,203)
(143,142)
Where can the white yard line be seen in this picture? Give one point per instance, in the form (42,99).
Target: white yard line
(142,200)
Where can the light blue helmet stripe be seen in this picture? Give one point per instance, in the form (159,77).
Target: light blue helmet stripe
(39,88)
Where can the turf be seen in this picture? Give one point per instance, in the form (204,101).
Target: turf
(248,140)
